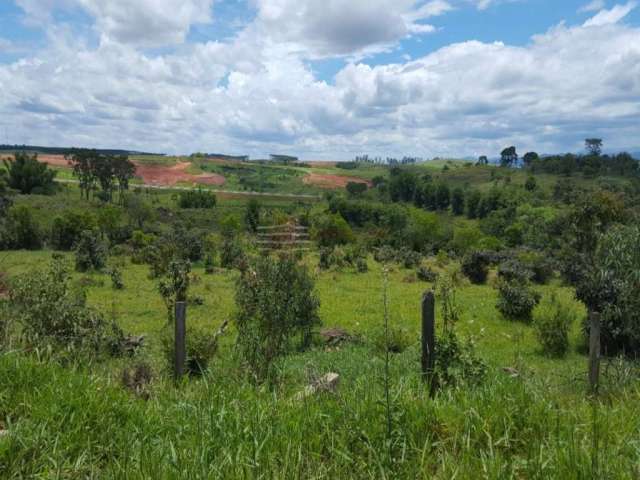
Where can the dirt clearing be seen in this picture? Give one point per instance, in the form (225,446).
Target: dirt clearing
(332,181)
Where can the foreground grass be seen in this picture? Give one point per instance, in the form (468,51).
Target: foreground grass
(78,421)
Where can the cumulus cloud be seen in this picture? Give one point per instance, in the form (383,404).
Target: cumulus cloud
(142,23)
(614,15)
(593,6)
(335,27)
(256,93)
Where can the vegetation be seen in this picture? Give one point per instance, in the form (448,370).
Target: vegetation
(27,175)
(82,399)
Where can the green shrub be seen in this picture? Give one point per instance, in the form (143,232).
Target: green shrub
(397,339)
(425,274)
(276,309)
(197,199)
(553,318)
(231,253)
(27,175)
(20,230)
(91,251)
(116,278)
(456,362)
(331,230)
(516,300)
(208,264)
(50,312)
(475,266)
(67,228)
(174,286)
(201,347)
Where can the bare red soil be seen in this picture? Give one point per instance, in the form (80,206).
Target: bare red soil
(332,181)
(162,175)
(170,175)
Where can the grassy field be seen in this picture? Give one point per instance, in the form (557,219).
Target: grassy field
(80,422)
(530,417)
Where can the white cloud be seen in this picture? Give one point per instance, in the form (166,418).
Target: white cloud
(143,23)
(255,93)
(593,6)
(335,27)
(606,17)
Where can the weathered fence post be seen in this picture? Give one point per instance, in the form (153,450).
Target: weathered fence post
(180,337)
(594,351)
(428,337)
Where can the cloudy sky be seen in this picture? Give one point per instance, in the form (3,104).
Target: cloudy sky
(323,79)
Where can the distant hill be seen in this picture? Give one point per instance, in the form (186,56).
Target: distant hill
(67,150)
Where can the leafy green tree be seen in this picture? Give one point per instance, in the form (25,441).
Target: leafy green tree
(483,160)
(473,202)
(277,310)
(91,251)
(529,158)
(443,196)
(330,230)
(20,230)
(252,215)
(138,209)
(530,185)
(83,166)
(355,189)
(5,194)
(509,157)
(457,201)
(27,175)
(593,146)
(124,170)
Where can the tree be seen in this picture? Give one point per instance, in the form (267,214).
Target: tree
(124,170)
(529,158)
(443,197)
(5,198)
(531,184)
(252,215)
(457,201)
(82,162)
(483,160)
(509,157)
(27,175)
(355,189)
(276,305)
(593,146)
(330,230)
(138,209)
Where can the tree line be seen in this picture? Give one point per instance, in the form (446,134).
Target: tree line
(108,172)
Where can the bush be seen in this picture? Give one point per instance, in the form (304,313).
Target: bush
(276,308)
(516,300)
(397,341)
(331,230)
(174,286)
(231,253)
(91,251)
(513,270)
(552,319)
(425,274)
(27,175)
(51,313)
(197,199)
(456,362)
(355,189)
(68,227)
(116,278)
(20,230)
(475,266)
(201,347)
(539,264)
(208,264)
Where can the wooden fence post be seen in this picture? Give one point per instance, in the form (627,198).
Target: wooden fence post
(428,337)
(180,339)
(594,351)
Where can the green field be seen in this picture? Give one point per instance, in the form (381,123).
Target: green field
(530,416)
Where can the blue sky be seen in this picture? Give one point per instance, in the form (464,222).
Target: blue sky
(323,79)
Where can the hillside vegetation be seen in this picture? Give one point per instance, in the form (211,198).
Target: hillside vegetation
(519,260)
